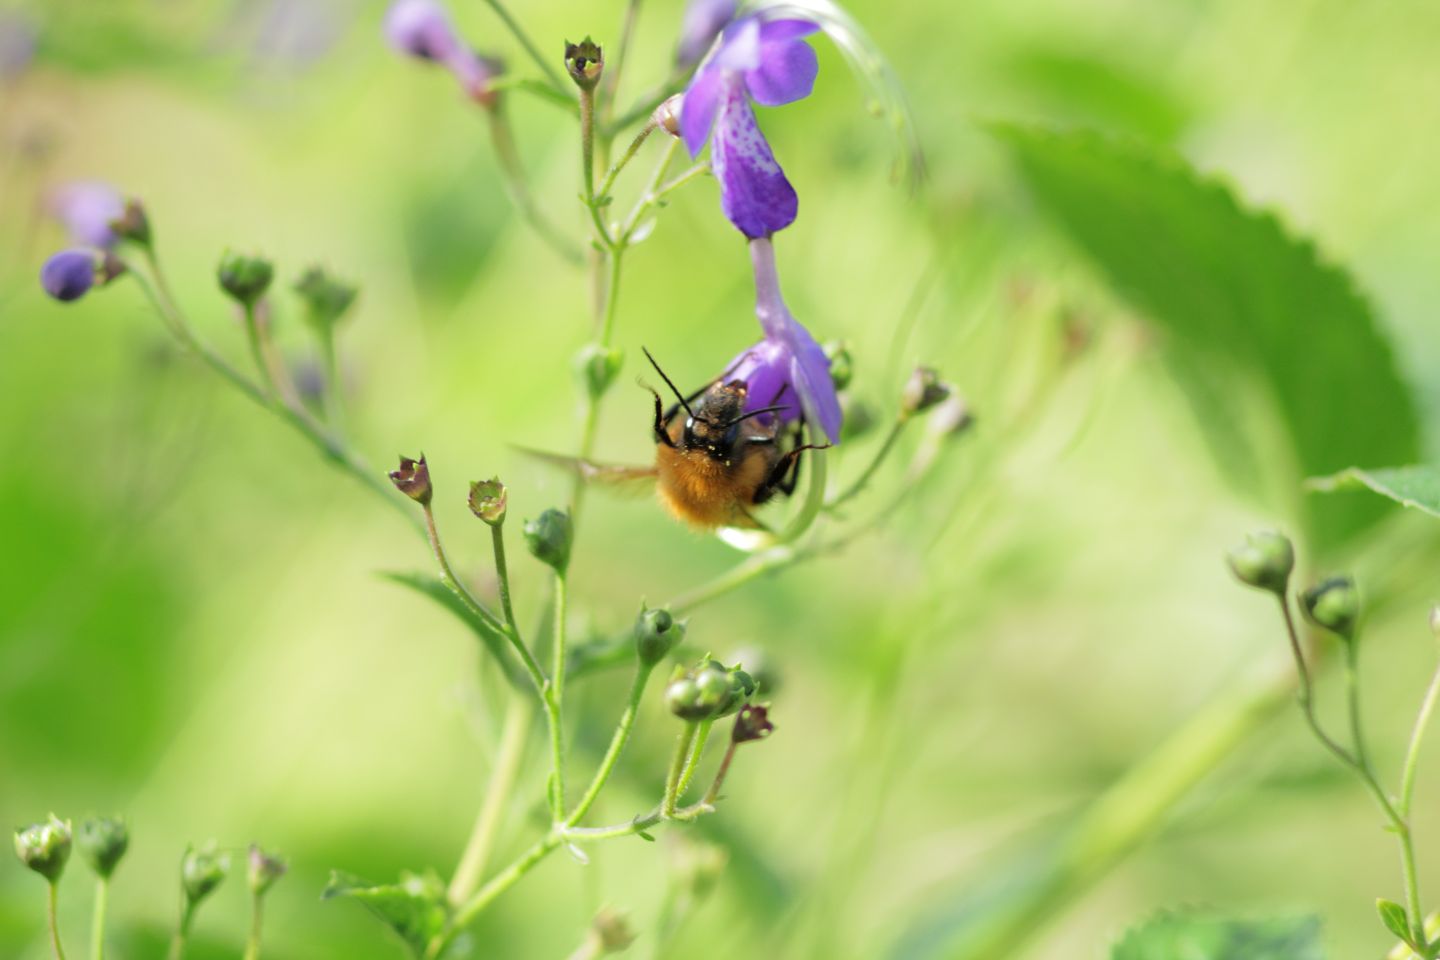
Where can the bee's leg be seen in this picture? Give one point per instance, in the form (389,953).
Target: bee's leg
(778,479)
(662,435)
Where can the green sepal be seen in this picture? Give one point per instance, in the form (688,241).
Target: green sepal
(415,908)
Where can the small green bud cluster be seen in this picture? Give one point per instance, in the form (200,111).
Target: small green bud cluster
(1333,604)
(245,278)
(263,869)
(707,691)
(1264,561)
(656,634)
(326,298)
(549,537)
(45,847)
(102,841)
(201,872)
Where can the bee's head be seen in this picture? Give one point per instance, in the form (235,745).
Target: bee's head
(714,424)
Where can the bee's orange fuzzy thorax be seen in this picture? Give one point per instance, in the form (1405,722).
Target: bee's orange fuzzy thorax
(706,492)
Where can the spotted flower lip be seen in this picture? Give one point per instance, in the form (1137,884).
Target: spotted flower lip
(87,208)
(761,61)
(421,29)
(787,368)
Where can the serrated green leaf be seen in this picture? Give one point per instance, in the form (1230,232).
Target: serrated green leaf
(495,643)
(415,908)
(1233,294)
(1196,937)
(1394,917)
(1417,486)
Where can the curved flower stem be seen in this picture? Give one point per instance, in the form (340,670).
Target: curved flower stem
(608,183)
(862,481)
(257,920)
(1417,734)
(1306,694)
(1352,703)
(502,138)
(537,88)
(182,932)
(51,904)
(677,767)
(646,103)
(452,582)
(97,926)
(257,354)
(502,577)
(514,733)
(551,74)
(617,744)
(328,447)
(697,752)
(713,794)
(497,885)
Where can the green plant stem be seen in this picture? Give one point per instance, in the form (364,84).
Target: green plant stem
(677,767)
(587,165)
(51,912)
(697,753)
(512,171)
(713,794)
(334,400)
(862,481)
(257,354)
(514,733)
(646,103)
(329,448)
(97,924)
(556,698)
(502,575)
(1352,704)
(608,184)
(616,63)
(617,744)
(257,915)
(182,932)
(453,583)
(1306,693)
(1417,735)
(551,74)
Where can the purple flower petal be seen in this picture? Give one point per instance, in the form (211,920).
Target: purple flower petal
(69,274)
(86,208)
(786,69)
(703,21)
(754,193)
(421,29)
(780,31)
(810,371)
(699,105)
(765,369)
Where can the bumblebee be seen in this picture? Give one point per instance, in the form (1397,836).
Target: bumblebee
(718,461)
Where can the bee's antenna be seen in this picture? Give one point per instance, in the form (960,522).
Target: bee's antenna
(754,413)
(678,395)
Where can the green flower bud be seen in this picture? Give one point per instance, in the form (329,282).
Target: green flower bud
(413,479)
(201,872)
(246,278)
(682,698)
(842,364)
(1333,604)
(45,847)
(597,367)
(708,691)
(1264,560)
(667,115)
(610,933)
(549,537)
(263,870)
(584,61)
(326,299)
(133,224)
(488,499)
(102,841)
(656,634)
(922,391)
(751,723)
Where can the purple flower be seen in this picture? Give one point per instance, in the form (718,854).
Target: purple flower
(787,368)
(420,28)
(69,274)
(767,62)
(87,208)
(703,21)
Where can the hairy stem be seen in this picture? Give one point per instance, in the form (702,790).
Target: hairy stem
(557,703)
(1417,735)
(506,772)
(677,768)
(448,578)
(51,912)
(697,753)
(97,925)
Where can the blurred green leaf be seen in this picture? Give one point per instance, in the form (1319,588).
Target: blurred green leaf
(414,908)
(1231,290)
(1417,486)
(1101,90)
(1394,918)
(1193,937)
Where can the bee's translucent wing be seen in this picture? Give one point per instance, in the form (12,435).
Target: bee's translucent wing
(618,478)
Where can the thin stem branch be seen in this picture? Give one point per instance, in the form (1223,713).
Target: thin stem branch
(677,767)
(497,885)
(257,354)
(692,762)
(616,63)
(51,904)
(452,582)
(97,925)
(257,915)
(1352,705)
(512,171)
(862,481)
(1306,695)
(514,733)
(608,184)
(182,932)
(713,794)
(556,698)
(1417,735)
(617,744)
(551,74)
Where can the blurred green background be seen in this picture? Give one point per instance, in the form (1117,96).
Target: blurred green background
(192,631)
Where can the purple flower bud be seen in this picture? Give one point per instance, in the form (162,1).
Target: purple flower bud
(69,274)
(703,21)
(420,28)
(86,208)
(767,62)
